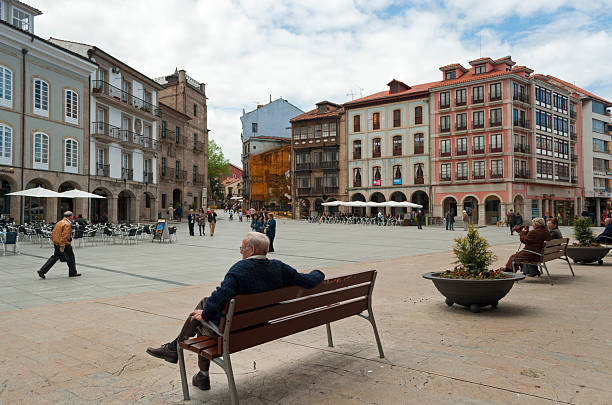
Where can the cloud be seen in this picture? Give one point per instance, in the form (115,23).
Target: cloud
(307,51)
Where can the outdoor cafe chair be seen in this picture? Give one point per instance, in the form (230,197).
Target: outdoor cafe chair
(10,238)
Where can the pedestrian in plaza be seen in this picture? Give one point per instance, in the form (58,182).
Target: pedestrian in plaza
(270,230)
(170,212)
(61,236)
(518,219)
(255,273)
(179,212)
(420,219)
(252,210)
(257,223)
(450,220)
(212,221)
(511,219)
(191,220)
(202,222)
(239,215)
(466,220)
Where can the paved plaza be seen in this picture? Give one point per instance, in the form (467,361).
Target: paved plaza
(82,340)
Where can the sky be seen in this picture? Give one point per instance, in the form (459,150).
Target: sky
(305,51)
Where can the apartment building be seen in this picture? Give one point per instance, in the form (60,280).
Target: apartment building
(183,161)
(318,159)
(44,117)
(388,146)
(503,139)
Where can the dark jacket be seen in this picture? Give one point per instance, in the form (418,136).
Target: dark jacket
(253,276)
(511,219)
(271,228)
(605,236)
(212,217)
(450,217)
(556,233)
(191,219)
(534,241)
(518,220)
(257,226)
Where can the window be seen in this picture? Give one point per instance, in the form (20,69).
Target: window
(444,99)
(376,151)
(461,148)
(600,165)
(478,119)
(445,147)
(177,169)
(177,135)
(163,200)
(71,153)
(397,175)
(445,172)
(460,97)
(375,121)
(125,94)
(254,127)
(357,123)
(41,97)
(419,174)
(376,176)
(332,129)
(163,166)
(477,94)
(357,149)
(6,86)
(478,144)
(397,146)
(496,143)
(495,91)
(325,130)
(520,169)
(543,96)
(330,155)
(21,19)
(419,144)
(562,149)
(317,130)
(6,145)
(461,122)
(357,177)
(562,171)
(41,151)
(497,168)
(495,118)
(598,126)
(560,103)
(598,108)
(480,69)
(71,112)
(100,162)
(600,184)
(561,125)
(445,123)
(418,115)
(195,110)
(479,170)
(543,121)
(195,173)
(462,171)
(544,169)
(449,75)
(397,118)
(164,129)
(598,145)
(544,145)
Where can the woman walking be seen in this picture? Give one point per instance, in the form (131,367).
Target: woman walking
(202,221)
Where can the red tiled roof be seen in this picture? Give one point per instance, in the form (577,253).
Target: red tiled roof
(453,65)
(269,138)
(576,88)
(382,95)
(486,58)
(469,77)
(314,114)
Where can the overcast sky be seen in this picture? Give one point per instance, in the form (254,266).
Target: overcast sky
(306,51)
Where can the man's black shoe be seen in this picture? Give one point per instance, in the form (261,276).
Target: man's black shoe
(41,274)
(201,382)
(164,352)
(75,275)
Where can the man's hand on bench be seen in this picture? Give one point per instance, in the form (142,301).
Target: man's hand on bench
(197,314)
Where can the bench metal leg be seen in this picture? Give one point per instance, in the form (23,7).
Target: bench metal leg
(570,266)
(547,273)
(330,342)
(181,360)
(226,365)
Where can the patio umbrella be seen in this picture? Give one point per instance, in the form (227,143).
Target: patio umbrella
(409,205)
(333,203)
(356,204)
(78,194)
(36,192)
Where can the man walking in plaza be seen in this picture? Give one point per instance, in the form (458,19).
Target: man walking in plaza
(466,220)
(191,218)
(253,274)
(420,219)
(179,212)
(61,236)
(212,221)
(450,220)
(270,230)
(510,219)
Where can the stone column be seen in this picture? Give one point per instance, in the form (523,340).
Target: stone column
(540,208)
(597,211)
(51,209)
(134,214)
(112,205)
(482,221)
(576,207)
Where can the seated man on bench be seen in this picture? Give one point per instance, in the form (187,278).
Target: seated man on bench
(606,236)
(255,273)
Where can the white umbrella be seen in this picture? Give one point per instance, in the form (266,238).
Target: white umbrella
(79,194)
(374,204)
(36,192)
(356,204)
(236,198)
(409,205)
(333,203)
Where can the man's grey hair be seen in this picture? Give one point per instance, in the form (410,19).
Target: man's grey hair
(68,214)
(608,221)
(538,222)
(259,241)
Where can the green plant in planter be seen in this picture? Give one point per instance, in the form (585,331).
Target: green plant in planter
(583,233)
(473,258)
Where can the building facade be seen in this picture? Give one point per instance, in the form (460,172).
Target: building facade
(388,147)
(44,118)
(318,159)
(270,176)
(185,143)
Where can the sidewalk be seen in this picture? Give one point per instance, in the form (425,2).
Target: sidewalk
(544,343)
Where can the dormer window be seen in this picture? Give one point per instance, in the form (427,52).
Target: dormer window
(321,109)
(21,19)
(479,69)
(449,75)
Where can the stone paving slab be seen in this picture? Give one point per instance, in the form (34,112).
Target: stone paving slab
(543,344)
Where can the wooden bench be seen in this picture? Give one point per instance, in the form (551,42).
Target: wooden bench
(553,249)
(253,319)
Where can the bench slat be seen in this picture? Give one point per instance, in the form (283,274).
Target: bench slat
(247,302)
(280,310)
(553,256)
(556,242)
(553,249)
(255,336)
(187,342)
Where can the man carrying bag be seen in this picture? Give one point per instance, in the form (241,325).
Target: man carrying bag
(61,236)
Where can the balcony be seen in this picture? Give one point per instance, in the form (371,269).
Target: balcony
(445,178)
(356,156)
(356,183)
(167,174)
(563,178)
(522,97)
(102,170)
(480,176)
(445,154)
(495,149)
(198,146)
(521,174)
(198,179)
(573,115)
(331,189)
(330,164)
(419,180)
(397,151)
(479,125)
(419,149)
(521,148)
(180,175)
(461,127)
(317,190)
(127,174)
(376,153)
(147,177)
(496,175)
(495,97)
(574,158)
(443,129)
(573,136)
(460,103)
(461,177)
(303,190)
(478,100)
(445,104)
(574,180)
(461,152)
(495,123)
(104,129)
(299,167)
(522,123)
(107,89)
(478,150)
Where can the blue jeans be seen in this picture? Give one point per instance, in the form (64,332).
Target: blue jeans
(447,223)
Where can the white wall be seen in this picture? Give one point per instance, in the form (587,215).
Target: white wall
(114,78)
(114,159)
(92,157)
(137,89)
(114,117)
(137,165)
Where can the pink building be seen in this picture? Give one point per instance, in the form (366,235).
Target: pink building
(501,139)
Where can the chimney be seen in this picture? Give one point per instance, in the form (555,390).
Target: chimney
(182,75)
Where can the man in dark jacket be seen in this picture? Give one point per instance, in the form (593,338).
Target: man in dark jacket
(191,218)
(606,235)
(253,274)
(510,220)
(534,244)
(270,230)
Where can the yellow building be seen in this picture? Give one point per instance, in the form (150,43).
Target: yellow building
(270,175)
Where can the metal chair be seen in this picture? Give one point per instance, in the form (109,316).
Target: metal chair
(10,239)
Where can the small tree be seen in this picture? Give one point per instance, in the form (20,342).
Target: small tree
(472,252)
(583,231)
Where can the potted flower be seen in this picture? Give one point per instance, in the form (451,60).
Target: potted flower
(585,249)
(471,283)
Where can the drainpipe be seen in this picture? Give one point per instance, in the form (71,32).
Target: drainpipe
(23,98)
(88,146)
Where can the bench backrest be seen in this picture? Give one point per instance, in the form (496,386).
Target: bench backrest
(263,317)
(554,249)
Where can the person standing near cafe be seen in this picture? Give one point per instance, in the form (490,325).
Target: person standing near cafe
(61,236)
(270,230)
(212,221)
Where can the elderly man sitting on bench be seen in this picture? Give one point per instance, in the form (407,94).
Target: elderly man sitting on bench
(606,236)
(255,273)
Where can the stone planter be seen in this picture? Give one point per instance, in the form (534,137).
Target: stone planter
(587,254)
(473,294)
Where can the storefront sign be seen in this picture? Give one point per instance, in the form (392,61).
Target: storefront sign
(397,181)
(376,182)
